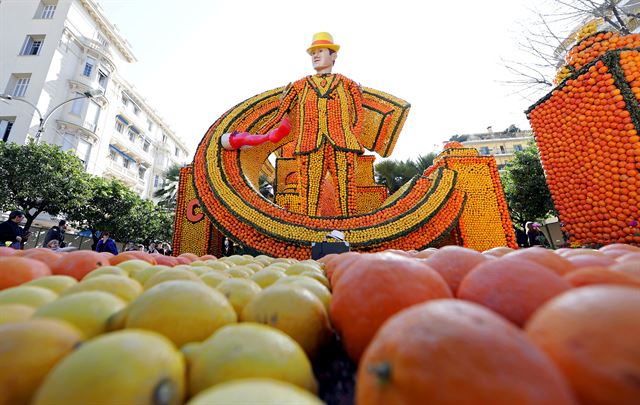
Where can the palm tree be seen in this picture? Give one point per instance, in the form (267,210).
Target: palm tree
(395,173)
(167,193)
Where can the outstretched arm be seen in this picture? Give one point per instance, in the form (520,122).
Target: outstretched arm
(236,140)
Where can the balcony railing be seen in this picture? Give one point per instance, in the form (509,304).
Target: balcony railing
(128,175)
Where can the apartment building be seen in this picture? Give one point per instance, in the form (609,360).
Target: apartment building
(502,145)
(61,63)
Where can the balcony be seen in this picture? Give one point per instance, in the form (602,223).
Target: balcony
(135,149)
(128,176)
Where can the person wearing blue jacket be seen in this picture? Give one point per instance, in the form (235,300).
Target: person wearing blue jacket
(106,244)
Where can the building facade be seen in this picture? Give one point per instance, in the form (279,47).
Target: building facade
(502,145)
(64,59)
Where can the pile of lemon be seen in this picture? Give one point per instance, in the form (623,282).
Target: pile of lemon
(239,329)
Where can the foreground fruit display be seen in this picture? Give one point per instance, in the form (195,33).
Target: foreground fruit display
(438,326)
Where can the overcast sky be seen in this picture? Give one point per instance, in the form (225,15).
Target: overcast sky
(198,58)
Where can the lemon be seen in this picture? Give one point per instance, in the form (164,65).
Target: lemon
(298,268)
(239,291)
(141,276)
(27,295)
(237,260)
(312,285)
(89,311)
(239,272)
(250,350)
(15,312)
(122,287)
(255,266)
(28,351)
(217,265)
(171,274)
(277,266)
(124,367)
(57,284)
(182,310)
(263,391)
(213,278)
(267,276)
(200,270)
(198,263)
(134,265)
(318,277)
(294,310)
(104,270)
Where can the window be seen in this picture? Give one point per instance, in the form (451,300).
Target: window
(156,181)
(102,40)
(126,163)
(112,155)
(501,148)
(88,66)
(119,126)
(125,100)
(46,10)
(93,114)
(18,84)
(136,110)
(484,150)
(517,148)
(6,123)
(83,151)
(164,137)
(150,125)
(78,105)
(32,45)
(146,146)
(132,135)
(141,172)
(68,142)
(103,78)
(177,152)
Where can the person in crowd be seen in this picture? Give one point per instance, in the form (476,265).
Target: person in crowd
(535,236)
(167,249)
(521,237)
(11,233)
(160,247)
(152,248)
(130,246)
(57,233)
(106,244)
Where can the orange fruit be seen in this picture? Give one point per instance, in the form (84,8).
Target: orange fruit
(7,251)
(498,251)
(131,255)
(453,263)
(456,352)
(589,260)
(513,288)
(599,275)
(376,287)
(544,257)
(18,270)
(592,334)
(165,260)
(78,263)
(44,255)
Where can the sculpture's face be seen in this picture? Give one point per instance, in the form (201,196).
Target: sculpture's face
(323,60)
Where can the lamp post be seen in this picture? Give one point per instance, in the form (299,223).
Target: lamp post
(45,118)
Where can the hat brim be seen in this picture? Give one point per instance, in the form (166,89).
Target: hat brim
(333,47)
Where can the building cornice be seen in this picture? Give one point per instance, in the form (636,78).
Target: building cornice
(109,29)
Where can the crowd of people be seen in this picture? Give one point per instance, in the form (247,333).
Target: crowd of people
(14,236)
(531,236)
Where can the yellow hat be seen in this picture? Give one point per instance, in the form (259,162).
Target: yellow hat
(323,40)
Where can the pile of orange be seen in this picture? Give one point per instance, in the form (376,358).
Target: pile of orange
(587,134)
(528,326)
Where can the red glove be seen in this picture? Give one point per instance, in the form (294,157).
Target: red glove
(236,140)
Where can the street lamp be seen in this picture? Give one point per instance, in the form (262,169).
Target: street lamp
(43,119)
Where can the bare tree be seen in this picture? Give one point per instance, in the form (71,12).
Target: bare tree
(551,32)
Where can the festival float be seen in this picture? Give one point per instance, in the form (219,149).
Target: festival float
(457,201)
(587,133)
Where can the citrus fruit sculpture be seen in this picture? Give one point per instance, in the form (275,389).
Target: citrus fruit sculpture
(458,200)
(587,133)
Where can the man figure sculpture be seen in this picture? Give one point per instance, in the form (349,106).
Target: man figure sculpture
(326,109)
